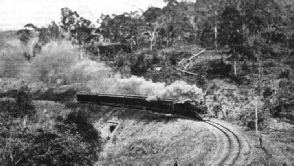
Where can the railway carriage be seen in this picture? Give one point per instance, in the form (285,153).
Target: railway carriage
(185,108)
(136,102)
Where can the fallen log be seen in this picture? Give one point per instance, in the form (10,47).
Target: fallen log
(189,59)
(187,72)
(202,51)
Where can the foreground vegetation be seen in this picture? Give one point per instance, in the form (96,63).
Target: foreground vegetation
(45,133)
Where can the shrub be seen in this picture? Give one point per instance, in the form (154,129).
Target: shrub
(173,59)
(284,74)
(33,145)
(201,81)
(268,91)
(80,121)
(55,148)
(45,147)
(14,140)
(142,61)
(282,100)
(218,69)
(248,119)
(24,102)
(20,107)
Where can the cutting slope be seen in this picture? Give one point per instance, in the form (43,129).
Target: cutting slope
(143,137)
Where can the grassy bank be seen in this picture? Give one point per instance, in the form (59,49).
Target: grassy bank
(144,137)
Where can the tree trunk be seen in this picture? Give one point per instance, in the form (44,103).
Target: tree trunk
(98,50)
(235,68)
(215,37)
(222,56)
(151,46)
(256,118)
(259,69)
(288,45)
(152,40)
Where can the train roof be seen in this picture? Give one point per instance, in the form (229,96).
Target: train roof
(125,95)
(185,100)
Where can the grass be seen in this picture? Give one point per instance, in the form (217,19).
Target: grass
(143,138)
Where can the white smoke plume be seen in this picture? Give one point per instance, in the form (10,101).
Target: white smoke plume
(59,62)
(134,85)
(86,70)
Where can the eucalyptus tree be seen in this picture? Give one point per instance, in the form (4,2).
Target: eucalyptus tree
(206,20)
(163,26)
(287,16)
(178,23)
(79,27)
(121,28)
(230,32)
(250,27)
(153,24)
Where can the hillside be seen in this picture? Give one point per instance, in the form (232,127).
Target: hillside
(233,59)
(141,136)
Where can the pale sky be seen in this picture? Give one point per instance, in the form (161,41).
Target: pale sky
(14,14)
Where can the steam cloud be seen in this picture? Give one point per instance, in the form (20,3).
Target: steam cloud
(116,84)
(59,62)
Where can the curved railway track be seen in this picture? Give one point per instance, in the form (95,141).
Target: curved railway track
(232,148)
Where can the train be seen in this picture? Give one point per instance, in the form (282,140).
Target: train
(188,108)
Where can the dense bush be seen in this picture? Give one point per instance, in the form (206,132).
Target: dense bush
(72,140)
(138,62)
(282,101)
(268,91)
(142,61)
(80,121)
(173,59)
(247,117)
(66,140)
(20,107)
(24,102)
(218,69)
(284,74)
(176,56)
(44,147)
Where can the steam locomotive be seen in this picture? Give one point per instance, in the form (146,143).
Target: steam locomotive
(186,108)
